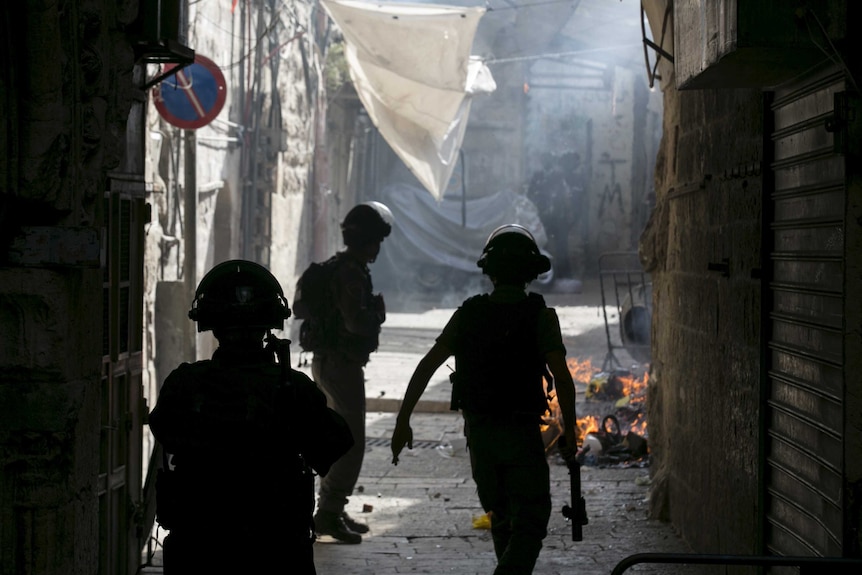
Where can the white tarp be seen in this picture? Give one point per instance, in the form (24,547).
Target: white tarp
(412,69)
(428,232)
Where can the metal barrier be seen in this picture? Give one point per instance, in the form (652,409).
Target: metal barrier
(628,288)
(807,565)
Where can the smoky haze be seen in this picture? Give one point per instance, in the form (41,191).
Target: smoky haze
(565,145)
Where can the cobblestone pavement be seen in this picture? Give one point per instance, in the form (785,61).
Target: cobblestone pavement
(421,511)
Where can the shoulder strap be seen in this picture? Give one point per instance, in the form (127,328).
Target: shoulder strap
(331,265)
(475,300)
(537,299)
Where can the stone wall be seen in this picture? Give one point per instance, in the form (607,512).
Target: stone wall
(65,93)
(702,247)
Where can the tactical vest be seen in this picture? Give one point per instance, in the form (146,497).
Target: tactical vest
(499,365)
(244,447)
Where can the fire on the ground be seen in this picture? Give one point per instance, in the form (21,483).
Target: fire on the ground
(612,422)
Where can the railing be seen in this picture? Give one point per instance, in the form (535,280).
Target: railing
(628,288)
(807,565)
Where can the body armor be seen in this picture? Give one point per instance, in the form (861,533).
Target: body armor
(499,365)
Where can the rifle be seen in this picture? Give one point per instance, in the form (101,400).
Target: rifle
(577,512)
(281,349)
(320,450)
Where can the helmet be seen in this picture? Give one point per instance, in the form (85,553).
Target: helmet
(239,293)
(511,255)
(366,223)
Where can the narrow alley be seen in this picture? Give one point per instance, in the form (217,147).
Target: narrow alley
(422,511)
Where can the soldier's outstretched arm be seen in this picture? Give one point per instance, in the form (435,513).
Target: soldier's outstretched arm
(565,387)
(403,434)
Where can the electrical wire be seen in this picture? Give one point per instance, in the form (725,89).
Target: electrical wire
(835,54)
(272,26)
(560,54)
(490,8)
(269,28)
(215,25)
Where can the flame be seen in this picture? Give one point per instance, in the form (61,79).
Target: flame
(633,386)
(582,371)
(588,424)
(634,389)
(629,408)
(639,425)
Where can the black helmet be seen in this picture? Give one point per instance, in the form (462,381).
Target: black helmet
(511,255)
(366,223)
(239,293)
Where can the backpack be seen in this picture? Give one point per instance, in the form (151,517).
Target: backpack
(314,304)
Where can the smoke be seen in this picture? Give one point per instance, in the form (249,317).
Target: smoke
(571,132)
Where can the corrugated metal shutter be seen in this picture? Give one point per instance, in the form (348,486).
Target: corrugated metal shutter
(804,408)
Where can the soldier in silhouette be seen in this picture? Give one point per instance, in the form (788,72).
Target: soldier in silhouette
(244,434)
(503,342)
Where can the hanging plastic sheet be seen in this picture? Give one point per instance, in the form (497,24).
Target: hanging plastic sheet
(430,233)
(411,67)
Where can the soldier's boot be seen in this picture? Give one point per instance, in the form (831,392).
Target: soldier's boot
(353,524)
(332,524)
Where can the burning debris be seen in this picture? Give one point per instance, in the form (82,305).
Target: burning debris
(613,422)
(609,446)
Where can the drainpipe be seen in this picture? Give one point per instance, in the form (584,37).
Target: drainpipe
(463,189)
(319,186)
(190,233)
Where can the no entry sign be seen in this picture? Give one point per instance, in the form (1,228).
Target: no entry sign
(193,96)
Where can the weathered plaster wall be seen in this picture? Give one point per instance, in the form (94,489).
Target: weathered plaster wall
(65,93)
(704,388)
(271,117)
(612,196)
(300,89)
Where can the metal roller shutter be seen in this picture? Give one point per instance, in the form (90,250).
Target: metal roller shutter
(804,300)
